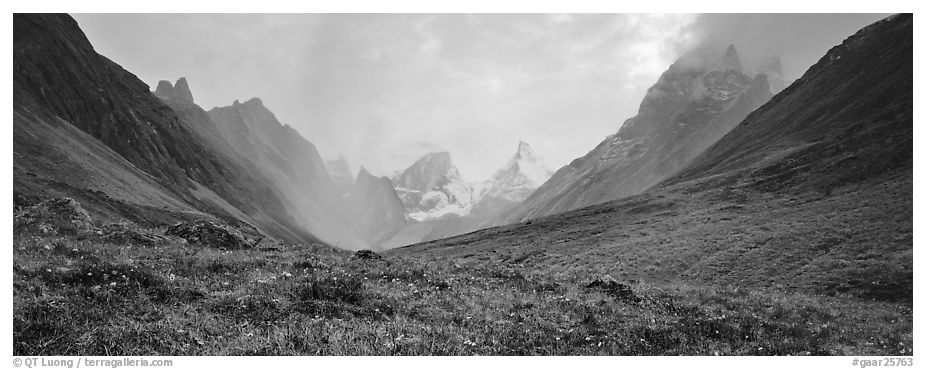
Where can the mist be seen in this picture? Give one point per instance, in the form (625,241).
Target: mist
(366,86)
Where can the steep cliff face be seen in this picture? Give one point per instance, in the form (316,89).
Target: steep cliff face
(378,211)
(60,82)
(699,99)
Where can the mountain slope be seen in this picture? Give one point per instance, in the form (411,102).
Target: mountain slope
(695,102)
(61,82)
(858,126)
(812,192)
(293,166)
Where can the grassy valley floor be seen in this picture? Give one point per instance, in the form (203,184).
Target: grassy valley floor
(81,295)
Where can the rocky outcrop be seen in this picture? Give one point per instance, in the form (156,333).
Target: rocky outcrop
(211,234)
(612,287)
(367,255)
(179,92)
(55,216)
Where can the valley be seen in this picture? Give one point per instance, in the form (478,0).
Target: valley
(735,214)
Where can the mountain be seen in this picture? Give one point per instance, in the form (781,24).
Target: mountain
(812,192)
(512,183)
(377,210)
(696,101)
(339,171)
(847,121)
(432,188)
(517,179)
(293,166)
(341,176)
(177,93)
(398,160)
(84,127)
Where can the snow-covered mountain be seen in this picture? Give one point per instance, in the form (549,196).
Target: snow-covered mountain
(517,179)
(432,188)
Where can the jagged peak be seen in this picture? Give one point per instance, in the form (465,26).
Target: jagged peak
(178,92)
(182,90)
(731,59)
(526,162)
(710,57)
(165,89)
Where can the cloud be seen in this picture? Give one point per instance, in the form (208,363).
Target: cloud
(798,39)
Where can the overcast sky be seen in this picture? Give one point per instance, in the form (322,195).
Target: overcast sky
(369,85)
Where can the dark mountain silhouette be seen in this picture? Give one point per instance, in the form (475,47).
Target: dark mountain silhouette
(69,100)
(811,192)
